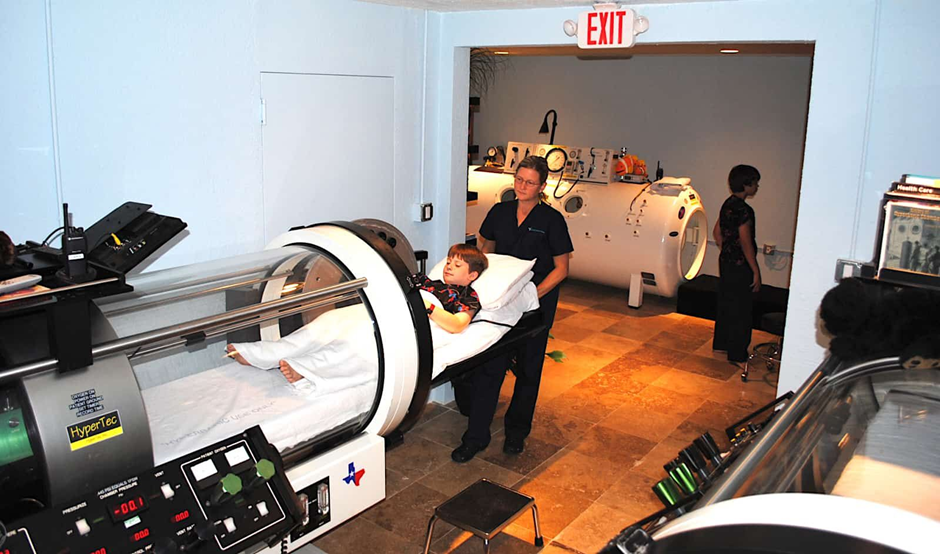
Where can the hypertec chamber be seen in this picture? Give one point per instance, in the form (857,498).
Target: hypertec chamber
(162,385)
(849,464)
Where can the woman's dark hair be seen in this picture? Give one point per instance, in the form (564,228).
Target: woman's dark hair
(538,163)
(741,176)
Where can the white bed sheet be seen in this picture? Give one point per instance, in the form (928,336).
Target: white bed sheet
(450,348)
(198,410)
(206,407)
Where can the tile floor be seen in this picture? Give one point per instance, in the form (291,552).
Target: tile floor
(637,386)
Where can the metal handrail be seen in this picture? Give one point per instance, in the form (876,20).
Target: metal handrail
(239,326)
(189,328)
(197,294)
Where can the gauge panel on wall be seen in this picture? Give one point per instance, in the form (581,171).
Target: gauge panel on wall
(556,158)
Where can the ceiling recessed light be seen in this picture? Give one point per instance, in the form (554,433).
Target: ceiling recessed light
(501,53)
(725,51)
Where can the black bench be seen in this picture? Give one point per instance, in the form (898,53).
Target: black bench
(699,298)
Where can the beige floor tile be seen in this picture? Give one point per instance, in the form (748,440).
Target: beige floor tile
(452,478)
(556,427)
(639,328)
(587,358)
(557,507)
(690,383)
(718,416)
(594,528)
(596,397)
(446,429)
(407,513)
(658,355)
(620,449)
(395,482)
(709,367)
(535,453)
(665,401)
(706,351)
(579,473)
(675,341)
(652,464)
(571,333)
(633,495)
(611,343)
(417,456)
(555,343)
(570,306)
(643,423)
(703,329)
(562,313)
(593,320)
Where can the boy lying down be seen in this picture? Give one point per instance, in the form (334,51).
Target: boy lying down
(458,304)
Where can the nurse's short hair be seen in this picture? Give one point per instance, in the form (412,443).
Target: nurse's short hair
(741,176)
(538,163)
(471,255)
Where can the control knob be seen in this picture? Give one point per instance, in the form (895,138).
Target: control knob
(202,532)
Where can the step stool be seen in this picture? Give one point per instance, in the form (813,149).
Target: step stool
(484,508)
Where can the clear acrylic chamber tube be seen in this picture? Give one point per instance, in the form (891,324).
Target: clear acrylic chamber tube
(195,394)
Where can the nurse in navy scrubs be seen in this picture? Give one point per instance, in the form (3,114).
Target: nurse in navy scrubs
(530,229)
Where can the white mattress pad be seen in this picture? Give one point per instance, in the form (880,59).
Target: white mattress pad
(203,408)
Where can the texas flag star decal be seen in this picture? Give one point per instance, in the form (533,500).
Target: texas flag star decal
(354,476)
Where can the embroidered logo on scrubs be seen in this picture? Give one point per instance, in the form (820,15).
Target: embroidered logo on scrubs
(354,476)
(534,230)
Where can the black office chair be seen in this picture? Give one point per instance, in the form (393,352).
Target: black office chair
(769,352)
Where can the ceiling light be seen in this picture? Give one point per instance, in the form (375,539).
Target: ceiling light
(501,53)
(729,50)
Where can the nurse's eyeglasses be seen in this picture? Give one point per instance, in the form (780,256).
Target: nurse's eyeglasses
(519,180)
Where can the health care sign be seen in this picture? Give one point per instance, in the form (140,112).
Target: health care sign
(607,27)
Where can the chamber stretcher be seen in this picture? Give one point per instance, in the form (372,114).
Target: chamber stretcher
(160,366)
(338,385)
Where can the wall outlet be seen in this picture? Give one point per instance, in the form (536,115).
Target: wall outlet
(770,249)
(424,212)
(848,268)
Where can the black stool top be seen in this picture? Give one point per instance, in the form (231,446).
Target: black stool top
(773,322)
(484,508)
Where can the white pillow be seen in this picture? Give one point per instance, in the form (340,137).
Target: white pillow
(500,283)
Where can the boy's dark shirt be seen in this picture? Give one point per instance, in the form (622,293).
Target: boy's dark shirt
(453,298)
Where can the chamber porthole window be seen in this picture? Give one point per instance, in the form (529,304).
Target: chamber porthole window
(507,195)
(574,204)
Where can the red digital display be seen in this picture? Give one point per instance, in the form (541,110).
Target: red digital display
(139,535)
(182,516)
(127,508)
(99,551)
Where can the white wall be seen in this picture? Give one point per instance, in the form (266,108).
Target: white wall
(699,115)
(844,35)
(159,102)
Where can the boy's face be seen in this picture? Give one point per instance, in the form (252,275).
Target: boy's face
(457,272)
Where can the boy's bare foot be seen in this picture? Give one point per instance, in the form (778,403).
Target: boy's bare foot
(238,357)
(289,373)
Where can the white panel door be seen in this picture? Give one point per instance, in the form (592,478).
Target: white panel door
(328,150)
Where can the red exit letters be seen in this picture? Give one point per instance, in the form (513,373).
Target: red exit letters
(606,29)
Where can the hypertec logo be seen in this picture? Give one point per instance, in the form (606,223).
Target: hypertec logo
(354,476)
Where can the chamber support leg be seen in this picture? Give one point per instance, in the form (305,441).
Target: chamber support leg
(636,291)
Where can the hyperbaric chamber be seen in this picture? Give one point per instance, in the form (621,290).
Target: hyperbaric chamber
(162,379)
(654,234)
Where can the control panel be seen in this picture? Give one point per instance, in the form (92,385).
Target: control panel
(585,164)
(229,497)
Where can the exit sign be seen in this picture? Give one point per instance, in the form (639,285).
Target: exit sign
(608,28)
